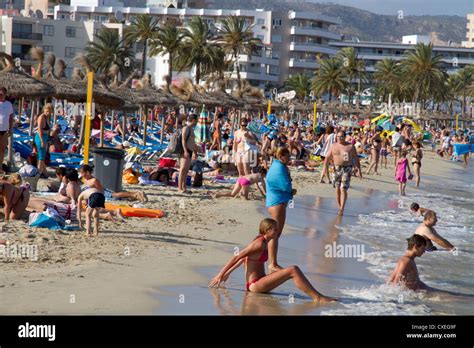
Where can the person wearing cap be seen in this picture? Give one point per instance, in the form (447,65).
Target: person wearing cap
(6,123)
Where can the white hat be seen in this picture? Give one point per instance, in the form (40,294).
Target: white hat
(126,143)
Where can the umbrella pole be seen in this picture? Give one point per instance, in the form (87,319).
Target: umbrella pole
(112,121)
(144,125)
(30,132)
(124,125)
(102,126)
(162,129)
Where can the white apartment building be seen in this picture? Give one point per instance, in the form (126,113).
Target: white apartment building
(65,38)
(469,31)
(371,52)
(291,40)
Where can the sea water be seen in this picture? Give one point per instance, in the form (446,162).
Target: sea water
(379,222)
(386,232)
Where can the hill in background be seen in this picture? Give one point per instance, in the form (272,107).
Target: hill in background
(365,25)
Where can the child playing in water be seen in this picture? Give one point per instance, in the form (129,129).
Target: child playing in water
(95,201)
(405,271)
(401,172)
(254,256)
(243,184)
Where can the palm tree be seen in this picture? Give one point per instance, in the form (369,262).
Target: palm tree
(464,82)
(142,29)
(167,41)
(329,78)
(301,84)
(353,68)
(237,38)
(108,49)
(198,51)
(422,71)
(387,77)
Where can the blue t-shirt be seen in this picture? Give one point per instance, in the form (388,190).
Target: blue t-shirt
(279,189)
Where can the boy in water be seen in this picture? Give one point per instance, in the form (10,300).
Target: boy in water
(405,271)
(417,210)
(427,230)
(95,201)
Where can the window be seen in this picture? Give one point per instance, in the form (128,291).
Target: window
(276,38)
(48,30)
(83,18)
(276,22)
(70,52)
(22,28)
(96,32)
(70,32)
(100,18)
(47,49)
(261,21)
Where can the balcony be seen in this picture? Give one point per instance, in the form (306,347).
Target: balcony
(27,36)
(314,31)
(250,75)
(314,16)
(311,47)
(243,58)
(303,63)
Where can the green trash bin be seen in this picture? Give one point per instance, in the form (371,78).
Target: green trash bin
(108,167)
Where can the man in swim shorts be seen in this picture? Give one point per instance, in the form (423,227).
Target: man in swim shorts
(344,156)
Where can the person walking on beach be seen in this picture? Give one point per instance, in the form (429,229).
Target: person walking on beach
(427,230)
(327,140)
(95,201)
(375,143)
(254,257)
(189,148)
(279,192)
(416,161)
(6,123)
(345,157)
(397,142)
(406,272)
(243,148)
(41,137)
(401,172)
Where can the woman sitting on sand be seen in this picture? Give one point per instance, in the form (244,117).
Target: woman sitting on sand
(243,184)
(15,197)
(254,256)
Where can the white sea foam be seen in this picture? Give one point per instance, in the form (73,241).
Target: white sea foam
(386,232)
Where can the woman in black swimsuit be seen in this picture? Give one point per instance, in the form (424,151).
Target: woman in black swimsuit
(416,161)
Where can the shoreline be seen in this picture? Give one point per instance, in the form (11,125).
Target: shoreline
(163,253)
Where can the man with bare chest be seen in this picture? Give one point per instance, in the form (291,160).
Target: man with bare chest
(427,230)
(406,272)
(344,157)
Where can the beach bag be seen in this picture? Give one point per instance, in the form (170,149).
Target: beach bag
(175,145)
(129,177)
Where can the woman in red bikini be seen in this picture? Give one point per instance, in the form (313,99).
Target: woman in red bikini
(254,256)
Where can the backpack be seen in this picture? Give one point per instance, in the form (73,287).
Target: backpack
(175,144)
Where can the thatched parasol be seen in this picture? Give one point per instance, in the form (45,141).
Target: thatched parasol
(101,95)
(20,84)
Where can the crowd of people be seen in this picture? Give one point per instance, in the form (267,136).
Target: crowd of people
(261,158)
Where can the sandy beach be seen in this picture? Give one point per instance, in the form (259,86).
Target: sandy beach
(120,271)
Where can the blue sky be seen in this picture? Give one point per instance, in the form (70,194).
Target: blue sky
(410,7)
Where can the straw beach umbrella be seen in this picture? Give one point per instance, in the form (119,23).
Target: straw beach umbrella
(20,84)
